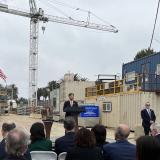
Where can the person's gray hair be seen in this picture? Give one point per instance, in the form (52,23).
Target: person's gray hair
(122,132)
(17,142)
(155,126)
(69,123)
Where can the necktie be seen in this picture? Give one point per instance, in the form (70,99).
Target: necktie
(149,112)
(71,102)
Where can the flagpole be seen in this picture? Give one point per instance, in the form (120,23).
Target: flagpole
(6,94)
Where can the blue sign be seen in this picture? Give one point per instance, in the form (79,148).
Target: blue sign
(90,111)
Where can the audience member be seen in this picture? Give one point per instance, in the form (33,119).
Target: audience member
(121,149)
(148,148)
(16,144)
(65,143)
(6,127)
(38,140)
(155,131)
(100,134)
(85,147)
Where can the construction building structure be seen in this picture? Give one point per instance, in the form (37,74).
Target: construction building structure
(121,101)
(68,85)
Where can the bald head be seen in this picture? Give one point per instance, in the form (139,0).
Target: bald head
(122,132)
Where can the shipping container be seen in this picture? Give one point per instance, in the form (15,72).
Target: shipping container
(125,108)
(148,71)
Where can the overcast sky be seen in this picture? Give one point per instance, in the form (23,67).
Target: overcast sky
(65,48)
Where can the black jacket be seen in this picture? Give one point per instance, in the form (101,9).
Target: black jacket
(11,157)
(146,118)
(119,150)
(65,143)
(158,137)
(84,154)
(67,105)
(3,153)
(2,150)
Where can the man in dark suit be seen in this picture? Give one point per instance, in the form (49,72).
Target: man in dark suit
(71,103)
(121,149)
(148,118)
(6,127)
(65,143)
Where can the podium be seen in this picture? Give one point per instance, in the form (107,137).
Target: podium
(48,126)
(74,112)
(47,118)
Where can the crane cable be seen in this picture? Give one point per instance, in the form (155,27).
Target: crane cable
(79,9)
(154,24)
(57,9)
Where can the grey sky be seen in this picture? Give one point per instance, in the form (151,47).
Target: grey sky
(65,48)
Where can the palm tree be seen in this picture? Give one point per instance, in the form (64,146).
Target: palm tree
(39,93)
(45,93)
(12,91)
(77,77)
(53,85)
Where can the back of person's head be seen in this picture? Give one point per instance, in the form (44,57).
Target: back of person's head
(122,132)
(155,129)
(100,133)
(17,142)
(37,132)
(69,124)
(7,127)
(85,138)
(148,148)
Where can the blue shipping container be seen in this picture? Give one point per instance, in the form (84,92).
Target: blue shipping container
(149,67)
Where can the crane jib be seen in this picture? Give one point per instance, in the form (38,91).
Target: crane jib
(36,16)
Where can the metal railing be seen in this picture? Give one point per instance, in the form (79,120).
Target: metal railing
(138,83)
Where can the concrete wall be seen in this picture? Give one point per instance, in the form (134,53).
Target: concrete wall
(55,94)
(126,108)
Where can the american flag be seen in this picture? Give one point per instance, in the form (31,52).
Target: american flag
(2,75)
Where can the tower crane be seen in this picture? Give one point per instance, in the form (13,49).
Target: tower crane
(37,15)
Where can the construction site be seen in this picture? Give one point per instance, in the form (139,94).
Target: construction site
(111,99)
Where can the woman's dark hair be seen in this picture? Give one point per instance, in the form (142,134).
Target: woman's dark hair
(148,148)
(100,134)
(37,132)
(85,138)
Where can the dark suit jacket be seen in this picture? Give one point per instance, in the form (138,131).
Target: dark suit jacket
(120,150)
(158,137)
(100,145)
(66,105)
(65,143)
(146,118)
(3,153)
(2,150)
(78,153)
(11,157)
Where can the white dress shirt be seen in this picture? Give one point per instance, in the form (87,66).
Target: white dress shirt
(149,112)
(71,103)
